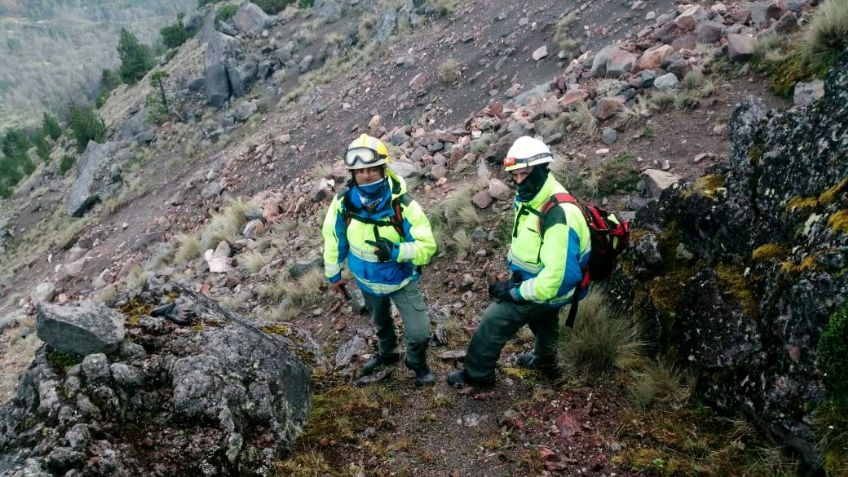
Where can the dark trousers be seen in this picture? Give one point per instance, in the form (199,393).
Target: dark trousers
(416,323)
(501,321)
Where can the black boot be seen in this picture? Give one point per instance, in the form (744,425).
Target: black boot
(377,361)
(460,378)
(423,377)
(548,367)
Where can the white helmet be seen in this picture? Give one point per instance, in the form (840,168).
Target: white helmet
(527,151)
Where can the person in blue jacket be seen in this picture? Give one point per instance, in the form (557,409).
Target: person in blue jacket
(385,237)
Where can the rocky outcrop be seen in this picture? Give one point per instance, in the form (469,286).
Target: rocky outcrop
(86,328)
(752,263)
(218,397)
(95,178)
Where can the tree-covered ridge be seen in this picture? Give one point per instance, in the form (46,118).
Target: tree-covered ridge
(52,52)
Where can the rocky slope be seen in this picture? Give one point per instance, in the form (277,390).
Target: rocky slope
(601,112)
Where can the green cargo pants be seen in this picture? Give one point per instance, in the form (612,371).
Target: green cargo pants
(416,323)
(501,321)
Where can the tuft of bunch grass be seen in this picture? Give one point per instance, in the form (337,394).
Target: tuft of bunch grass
(826,37)
(449,71)
(662,100)
(252,261)
(582,118)
(600,341)
(188,248)
(227,225)
(659,381)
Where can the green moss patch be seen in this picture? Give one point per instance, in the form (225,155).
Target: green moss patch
(739,286)
(767,252)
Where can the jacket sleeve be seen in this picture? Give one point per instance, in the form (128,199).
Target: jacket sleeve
(418,246)
(336,246)
(560,256)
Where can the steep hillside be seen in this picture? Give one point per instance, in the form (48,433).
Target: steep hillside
(52,52)
(219,198)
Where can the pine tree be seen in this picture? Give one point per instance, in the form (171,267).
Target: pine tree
(136,59)
(176,34)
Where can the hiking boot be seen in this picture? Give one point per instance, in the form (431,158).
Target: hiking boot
(460,378)
(377,361)
(423,377)
(547,367)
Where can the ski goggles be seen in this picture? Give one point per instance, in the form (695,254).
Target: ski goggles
(362,156)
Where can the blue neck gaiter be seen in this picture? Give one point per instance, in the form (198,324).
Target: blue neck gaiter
(371,194)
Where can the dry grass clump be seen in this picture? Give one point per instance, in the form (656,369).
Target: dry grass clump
(188,248)
(228,224)
(251,261)
(449,71)
(581,118)
(563,37)
(686,102)
(365,25)
(693,80)
(445,7)
(600,340)
(659,382)
(826,36)
(306,291)
(461,243)
(662,100)
(136,277)
(456,211)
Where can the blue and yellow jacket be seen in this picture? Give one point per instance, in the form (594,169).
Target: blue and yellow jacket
(343,240)
(550,264)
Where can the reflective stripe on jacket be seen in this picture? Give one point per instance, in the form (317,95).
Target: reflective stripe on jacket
(344,241)
(551,266)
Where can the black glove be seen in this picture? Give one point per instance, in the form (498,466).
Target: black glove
(385,249)
(500,290)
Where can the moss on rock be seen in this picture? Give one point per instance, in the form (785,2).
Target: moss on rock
(766,252)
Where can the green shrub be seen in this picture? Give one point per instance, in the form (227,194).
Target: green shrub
(67,163)
(176,34)
(136,59)
(15,143)
(305,3)
(618,174)
(832,356)
(272,7)
(51,127)
(203,3)
(42,147)
(109,80)
(85,126)
(225,12)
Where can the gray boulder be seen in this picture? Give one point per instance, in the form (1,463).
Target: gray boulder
(250,19)
(93,182)
(218,398)
(327,10)
(612,62)
(83,329)
(806,93)
(220,48)
(387,25)
(242,76)
(666,81)
(245,110)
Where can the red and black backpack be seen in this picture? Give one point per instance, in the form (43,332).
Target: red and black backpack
(608,233)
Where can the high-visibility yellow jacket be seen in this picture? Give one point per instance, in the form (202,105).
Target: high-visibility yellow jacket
(346,240)
(550,264)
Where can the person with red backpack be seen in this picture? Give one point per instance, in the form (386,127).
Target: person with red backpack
(549,259)
(385,238)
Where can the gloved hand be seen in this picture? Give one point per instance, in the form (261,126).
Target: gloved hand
(386,250)
(339,288)
(501,291)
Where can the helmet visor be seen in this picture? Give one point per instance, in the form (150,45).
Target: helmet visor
(361,156)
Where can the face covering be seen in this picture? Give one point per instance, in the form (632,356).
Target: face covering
(370,194)
(533,183)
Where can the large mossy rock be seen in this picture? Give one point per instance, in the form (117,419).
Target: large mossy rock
(753,262)
(214,395)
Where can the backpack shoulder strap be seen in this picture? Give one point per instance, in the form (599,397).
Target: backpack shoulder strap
(398,203)
(553,201)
